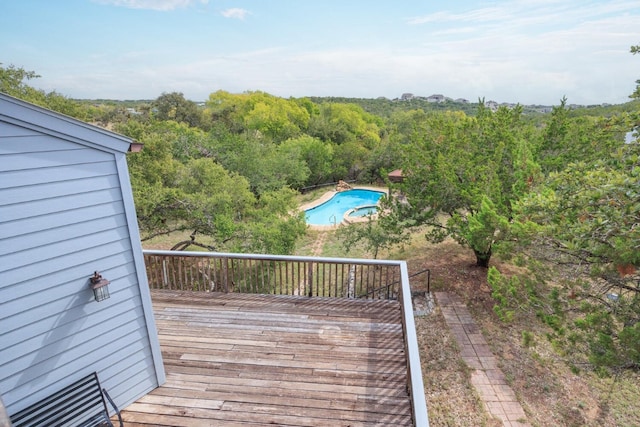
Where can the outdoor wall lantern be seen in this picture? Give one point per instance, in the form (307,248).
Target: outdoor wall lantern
(100,287)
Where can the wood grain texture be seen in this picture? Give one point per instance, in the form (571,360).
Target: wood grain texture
(241,359)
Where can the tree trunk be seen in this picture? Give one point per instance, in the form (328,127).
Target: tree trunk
(482,258)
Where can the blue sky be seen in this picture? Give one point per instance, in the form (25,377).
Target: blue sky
(526,51)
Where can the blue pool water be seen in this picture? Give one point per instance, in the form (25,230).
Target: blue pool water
(362,212)
(332,211)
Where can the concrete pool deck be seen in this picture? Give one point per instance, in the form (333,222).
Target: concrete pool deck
(328,195)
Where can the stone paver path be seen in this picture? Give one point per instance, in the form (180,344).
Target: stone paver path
(318,245)
(487,378)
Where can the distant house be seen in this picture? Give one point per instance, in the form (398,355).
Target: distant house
(492,105)
(462,101)
(133,111)
(66,211)
(631,137)
(407,96)
(436,98)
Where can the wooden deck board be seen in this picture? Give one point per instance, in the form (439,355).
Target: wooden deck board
(241,359)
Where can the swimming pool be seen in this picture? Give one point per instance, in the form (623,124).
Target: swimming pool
(332,211)
(363,211)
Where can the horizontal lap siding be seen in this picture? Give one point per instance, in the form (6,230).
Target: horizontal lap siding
(62,217)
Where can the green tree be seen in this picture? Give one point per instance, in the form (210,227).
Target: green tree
(580,234)
(462,175)
(372,234)
(317,155)
(381,161)
(340,123)
(350,160)
(272,227)
(154,173)
(636,93)
(179,186)
(227,109)
(174,106)
(212,201)
(266,166)
(271,117)
(406,126)
(14,81)
(276,118)
(569,139)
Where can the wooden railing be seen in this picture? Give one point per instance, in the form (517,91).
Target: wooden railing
(289,275)
(265,274)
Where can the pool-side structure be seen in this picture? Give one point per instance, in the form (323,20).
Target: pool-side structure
(350,215)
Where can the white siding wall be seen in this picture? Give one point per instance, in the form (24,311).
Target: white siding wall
(62,217)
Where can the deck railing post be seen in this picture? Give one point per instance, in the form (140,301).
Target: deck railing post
(351,290)
(310,279)
(225,274)
(165,275)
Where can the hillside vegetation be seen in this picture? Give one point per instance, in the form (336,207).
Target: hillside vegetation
(546,207)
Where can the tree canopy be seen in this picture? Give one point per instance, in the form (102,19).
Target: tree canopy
(579,235)
(179,185)
(14,81)
(558,192)
(174,106)
(462,175)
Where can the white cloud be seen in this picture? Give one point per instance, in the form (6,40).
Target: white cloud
(524,13)
(162,5)
(491,14)
(528,51)
(540,49)
(459,69)
(235,13)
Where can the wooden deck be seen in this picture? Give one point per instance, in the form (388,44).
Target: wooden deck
(242,359)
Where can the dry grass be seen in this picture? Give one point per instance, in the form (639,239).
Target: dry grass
(549,392)
(451,399)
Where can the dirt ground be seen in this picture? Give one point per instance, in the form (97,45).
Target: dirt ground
(549,392)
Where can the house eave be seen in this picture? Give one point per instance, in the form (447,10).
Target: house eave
(39,119)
